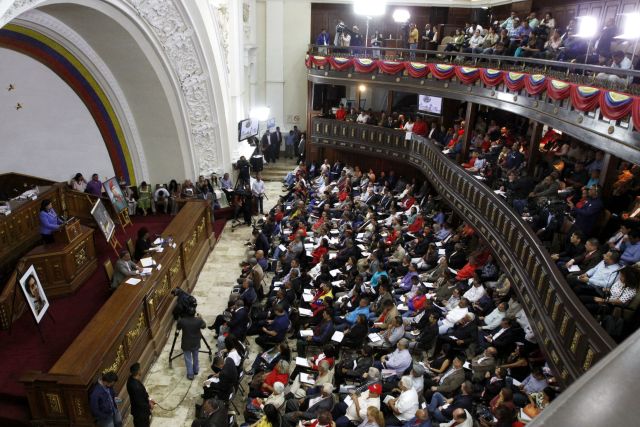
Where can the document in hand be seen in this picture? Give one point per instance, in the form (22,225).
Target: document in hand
(301,361)
(337,336)
(305,312)
(306,378)
(306,333)
(374,337)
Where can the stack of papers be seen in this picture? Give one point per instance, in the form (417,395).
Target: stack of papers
(337,336)
(147,262)
(442,252)
(335,272)
(574,269)
(147,271)
(132,281)
(306,333)
(403,307)
(305,312)
(307,298)
(373,337)
(158,241)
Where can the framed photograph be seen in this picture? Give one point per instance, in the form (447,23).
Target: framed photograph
(34,293)
(113,190)
(103,219)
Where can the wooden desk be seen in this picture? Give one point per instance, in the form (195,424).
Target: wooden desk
(62,267)
(133,325)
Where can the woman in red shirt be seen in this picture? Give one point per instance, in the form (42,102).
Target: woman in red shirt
(279,374)
(319,252)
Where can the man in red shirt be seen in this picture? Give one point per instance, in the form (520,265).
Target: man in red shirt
(341,114)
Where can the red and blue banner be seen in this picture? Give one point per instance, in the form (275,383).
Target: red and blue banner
(365,65)
(585,98)
(340,63)
(491,77)
(514,81)
(442,71)
(557,89)
(391,67)
(417,70)
(535,84)
(615,105)
(319,61)
(467,75)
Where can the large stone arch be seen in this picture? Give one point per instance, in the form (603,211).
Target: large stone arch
(182,129)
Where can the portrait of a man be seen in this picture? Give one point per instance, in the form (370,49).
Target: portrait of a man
(34,293)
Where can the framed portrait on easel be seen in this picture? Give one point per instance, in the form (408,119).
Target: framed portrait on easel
(34,293)
(103,219)
(116,196)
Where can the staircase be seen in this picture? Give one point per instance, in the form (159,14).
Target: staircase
(276,172)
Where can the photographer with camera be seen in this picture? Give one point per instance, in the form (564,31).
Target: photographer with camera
(191,323)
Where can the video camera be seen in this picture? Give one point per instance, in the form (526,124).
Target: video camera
(186,304)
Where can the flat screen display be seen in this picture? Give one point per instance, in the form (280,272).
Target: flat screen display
(247,128)
(430,104)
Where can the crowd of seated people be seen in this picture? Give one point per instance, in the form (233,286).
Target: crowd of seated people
(595,240)
(533,35)
(164,198)
(372,305)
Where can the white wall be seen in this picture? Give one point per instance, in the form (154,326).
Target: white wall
(53,135)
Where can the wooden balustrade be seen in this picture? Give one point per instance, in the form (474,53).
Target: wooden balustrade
(133,325)
(571,339)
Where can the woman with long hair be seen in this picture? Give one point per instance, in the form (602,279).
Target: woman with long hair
(49,221)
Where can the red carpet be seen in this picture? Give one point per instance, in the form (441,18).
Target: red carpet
(23,350)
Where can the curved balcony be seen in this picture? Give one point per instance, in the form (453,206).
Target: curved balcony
(567,333)
(565,96)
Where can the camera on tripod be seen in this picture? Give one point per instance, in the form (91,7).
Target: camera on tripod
(186,304)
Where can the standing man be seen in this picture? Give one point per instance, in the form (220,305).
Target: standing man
(190,325)
(102,401)
(301,147)
(322,40)
(257,189)
(265,145)
(413,40)
(296,141)
(141,405)
(278,143)
(289,145)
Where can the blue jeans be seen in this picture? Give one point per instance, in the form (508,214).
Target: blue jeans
(191,362)
(437,400)
(413,46)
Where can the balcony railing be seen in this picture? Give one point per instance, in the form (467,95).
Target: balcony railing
(583,74)
(570,337)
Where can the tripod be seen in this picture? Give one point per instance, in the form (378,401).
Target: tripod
(173,346)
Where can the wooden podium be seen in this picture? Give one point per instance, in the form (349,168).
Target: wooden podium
(67,263)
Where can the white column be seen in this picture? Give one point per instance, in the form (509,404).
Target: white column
(274,57)
(236,72)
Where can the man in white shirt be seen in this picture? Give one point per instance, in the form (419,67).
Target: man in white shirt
(257,189)
(599,278)
(453,316)
(363,117)
(621,62)
(493,319)
(475,292)
(357,410)
(405,406)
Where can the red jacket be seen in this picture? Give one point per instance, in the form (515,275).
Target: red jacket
(466,272)
(420,128)
(274,377)
(341,114)
(416,226)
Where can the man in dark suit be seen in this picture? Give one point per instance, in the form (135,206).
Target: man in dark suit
(262,242)
(503,338)
(295,410)
(141,405)
(220,384)
(214,414)
(278,142)
(587,260)
(190,324)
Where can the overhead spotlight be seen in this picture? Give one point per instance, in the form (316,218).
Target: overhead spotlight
(401,15)
(369,7)
(631,26)
(362,88)
(260,113)
(587,27)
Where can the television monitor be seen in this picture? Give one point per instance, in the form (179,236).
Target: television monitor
(247,128)
(430,104)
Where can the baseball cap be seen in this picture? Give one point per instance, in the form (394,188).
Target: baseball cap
(375,388)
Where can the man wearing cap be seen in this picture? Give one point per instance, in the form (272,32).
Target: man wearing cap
(354,413)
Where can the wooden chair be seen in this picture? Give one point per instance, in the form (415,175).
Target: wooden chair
(108,269)
(131,247)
